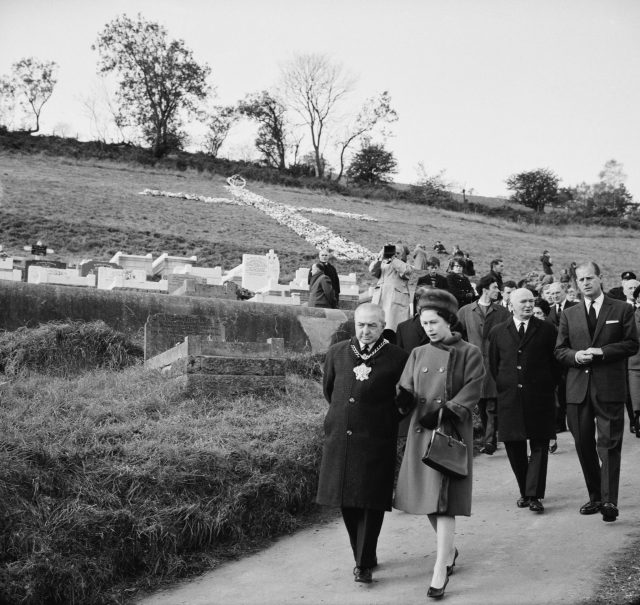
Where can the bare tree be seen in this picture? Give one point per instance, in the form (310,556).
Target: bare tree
(375,111)
(31,85)
(105,123)
(314,87)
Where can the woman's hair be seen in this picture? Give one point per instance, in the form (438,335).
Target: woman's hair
(543,305)
(448,316)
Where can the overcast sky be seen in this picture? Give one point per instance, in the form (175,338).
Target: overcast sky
(483,88)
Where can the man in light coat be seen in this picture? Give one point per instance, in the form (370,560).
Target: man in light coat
(477,319)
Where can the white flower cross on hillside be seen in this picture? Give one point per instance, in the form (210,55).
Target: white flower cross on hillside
(318,235)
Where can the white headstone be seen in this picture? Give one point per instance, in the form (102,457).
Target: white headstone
(165,264)
(65,277)
(255,272)
(11,274)
(6,263)
(134,261)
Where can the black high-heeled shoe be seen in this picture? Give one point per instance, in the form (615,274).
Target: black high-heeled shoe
(450,567)
(437,593)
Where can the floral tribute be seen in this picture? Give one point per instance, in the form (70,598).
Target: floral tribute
(318,235)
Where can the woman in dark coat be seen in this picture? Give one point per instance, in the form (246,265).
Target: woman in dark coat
(459,285)
(321,293)
(447,375)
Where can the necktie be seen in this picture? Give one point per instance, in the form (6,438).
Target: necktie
(593,320)
(521,330)
(558,309)
(365,350)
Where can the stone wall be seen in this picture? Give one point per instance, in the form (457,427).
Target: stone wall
(302,328)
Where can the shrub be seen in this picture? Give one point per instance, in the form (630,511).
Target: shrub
(66,348)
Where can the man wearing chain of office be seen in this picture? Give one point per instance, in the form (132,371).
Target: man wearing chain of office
(361,430)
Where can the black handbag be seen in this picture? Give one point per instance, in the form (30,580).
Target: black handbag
(446,453)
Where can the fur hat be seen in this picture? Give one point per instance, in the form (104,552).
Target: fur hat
(438,300)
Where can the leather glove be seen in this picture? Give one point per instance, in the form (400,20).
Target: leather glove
(405,401)
(429,420)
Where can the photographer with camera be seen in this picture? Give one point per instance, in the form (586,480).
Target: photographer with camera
(392,290)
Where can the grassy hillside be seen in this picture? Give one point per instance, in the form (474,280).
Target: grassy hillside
(87,208)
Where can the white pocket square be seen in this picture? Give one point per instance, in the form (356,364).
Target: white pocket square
(612,321)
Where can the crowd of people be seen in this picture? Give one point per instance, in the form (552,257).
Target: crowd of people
(531,356)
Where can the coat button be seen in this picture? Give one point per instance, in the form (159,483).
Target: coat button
(440,369)
(518,367)
(349,433)
(419,430)
(519,386)
(425,370)
(438,400)
(586,371)
(352,400)
(519,351)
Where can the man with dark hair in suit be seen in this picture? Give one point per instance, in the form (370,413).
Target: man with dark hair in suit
(595,339)
(496,269)
(361,428)
(526,372)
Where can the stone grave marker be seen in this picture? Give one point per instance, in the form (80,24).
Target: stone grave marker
(163,331)
(223,368)
(88,267)
(38,274)
(255,271)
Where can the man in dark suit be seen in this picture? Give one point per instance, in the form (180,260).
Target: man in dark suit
(557,293)
(557,297)
(361,426)
(595,339)
(523,365)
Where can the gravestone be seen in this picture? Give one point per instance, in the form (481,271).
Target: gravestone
(88,267)
(273,267)
(164,265)
(64,277)
(181,285)
(212,275)
(132,262)
(255,271)
(219,369)
(7,272)
(163,331)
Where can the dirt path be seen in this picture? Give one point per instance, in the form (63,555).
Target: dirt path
(507,555)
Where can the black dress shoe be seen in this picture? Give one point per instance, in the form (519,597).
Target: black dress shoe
(488,449)
(522,502)
(535,505)
(363,574)
(591,508)
(453,564)
(609,511)
(553,447)
(437,593)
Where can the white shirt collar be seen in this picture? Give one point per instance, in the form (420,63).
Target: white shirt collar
(597,302)
(519,321)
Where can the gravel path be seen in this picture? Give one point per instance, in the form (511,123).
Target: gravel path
(507,555)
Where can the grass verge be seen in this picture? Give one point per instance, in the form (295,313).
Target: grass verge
(113,482)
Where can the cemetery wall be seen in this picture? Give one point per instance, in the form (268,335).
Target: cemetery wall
(302,328)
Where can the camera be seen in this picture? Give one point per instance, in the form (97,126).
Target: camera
(389,251)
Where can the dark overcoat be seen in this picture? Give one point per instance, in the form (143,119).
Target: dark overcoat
(526,374)
(361,428)
(615,334)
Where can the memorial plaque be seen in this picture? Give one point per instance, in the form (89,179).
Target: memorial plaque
(255,271)
(163,331)
(37,250)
